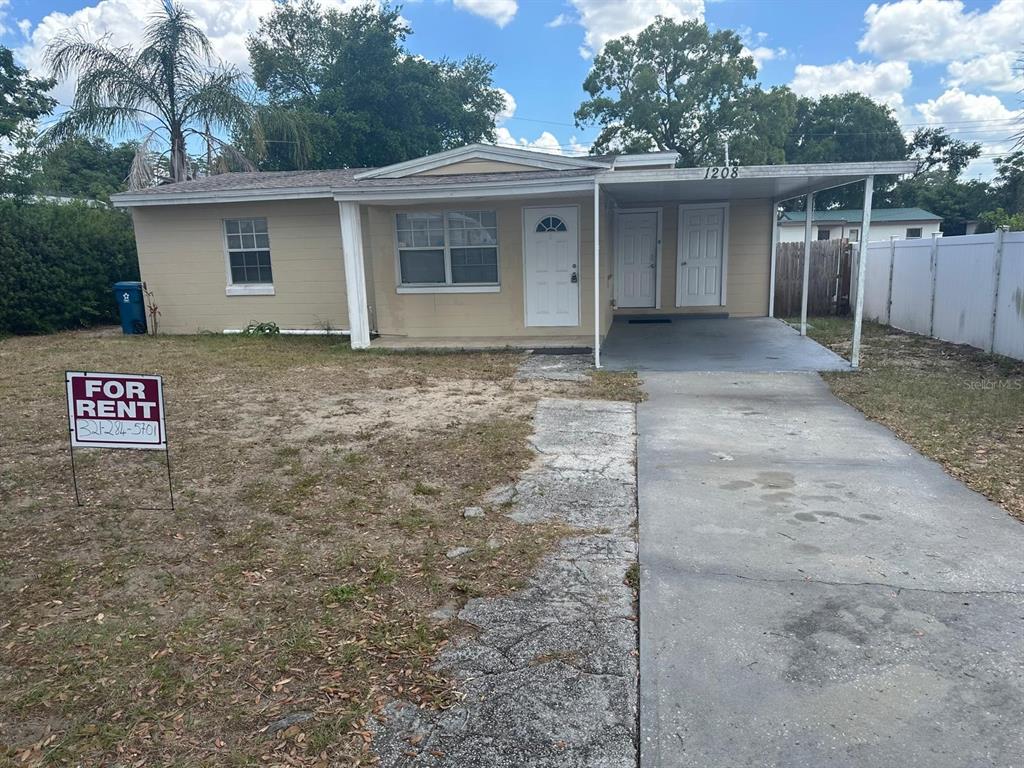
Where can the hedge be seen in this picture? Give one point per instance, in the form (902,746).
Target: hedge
(58,263)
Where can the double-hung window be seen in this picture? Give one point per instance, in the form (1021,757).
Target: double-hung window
(455,248)
(248,244)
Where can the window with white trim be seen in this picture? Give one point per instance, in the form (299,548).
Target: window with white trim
(451,248)
(824,233)
(913,233)
(854,235)
(248,251)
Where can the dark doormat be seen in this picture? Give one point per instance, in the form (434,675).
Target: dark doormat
(649,320)
(562,351)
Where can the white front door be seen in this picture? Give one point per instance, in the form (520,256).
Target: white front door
(551,258)
(636,249)
(701,254)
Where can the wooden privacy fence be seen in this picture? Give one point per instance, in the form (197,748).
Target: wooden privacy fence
(828,290)
(968,289)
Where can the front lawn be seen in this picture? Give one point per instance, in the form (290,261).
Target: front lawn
(290,593)
(956,404)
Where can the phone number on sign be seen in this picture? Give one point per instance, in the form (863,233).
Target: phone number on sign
(117,429)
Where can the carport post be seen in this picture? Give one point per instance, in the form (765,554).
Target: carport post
(862,268)
(807,263)
(775,248)
(597,273)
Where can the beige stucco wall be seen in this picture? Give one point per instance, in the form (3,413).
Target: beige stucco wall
(477,166)
(182,258)
(473,314)
(748,268)
(183,261)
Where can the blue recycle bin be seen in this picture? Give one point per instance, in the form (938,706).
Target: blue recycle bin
(128,295)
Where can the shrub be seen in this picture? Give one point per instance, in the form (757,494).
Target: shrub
(58,263)
(261,329)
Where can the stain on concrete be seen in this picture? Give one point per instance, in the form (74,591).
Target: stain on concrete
(775,479)
(550,679)
(735,485)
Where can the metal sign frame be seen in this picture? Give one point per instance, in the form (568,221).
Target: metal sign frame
(75,440)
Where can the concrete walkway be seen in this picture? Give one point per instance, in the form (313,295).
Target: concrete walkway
(814,593)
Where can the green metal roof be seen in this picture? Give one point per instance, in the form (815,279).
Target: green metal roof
(855,215)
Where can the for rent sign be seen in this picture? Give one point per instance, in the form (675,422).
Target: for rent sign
(116,410)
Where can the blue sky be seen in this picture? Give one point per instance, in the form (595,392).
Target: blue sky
(936,62)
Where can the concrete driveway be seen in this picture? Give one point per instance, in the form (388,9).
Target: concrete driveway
(814,592)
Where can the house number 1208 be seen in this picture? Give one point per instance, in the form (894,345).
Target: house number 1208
(724,172)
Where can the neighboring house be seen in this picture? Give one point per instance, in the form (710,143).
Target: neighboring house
(480,243)
(886,223)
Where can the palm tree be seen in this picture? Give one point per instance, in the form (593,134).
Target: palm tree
(169,90)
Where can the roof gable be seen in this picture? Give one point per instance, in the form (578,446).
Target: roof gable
(517,158)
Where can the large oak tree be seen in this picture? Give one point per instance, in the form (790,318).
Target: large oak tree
(676,86)
(358,95)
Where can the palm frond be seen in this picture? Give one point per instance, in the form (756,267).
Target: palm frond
(143,170)
(219,99)
(91,120)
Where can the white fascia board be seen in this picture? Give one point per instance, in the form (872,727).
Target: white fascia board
(881,168)
(540,160)
(130,200)
(460,191)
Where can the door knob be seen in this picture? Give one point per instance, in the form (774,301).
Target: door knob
(574,279)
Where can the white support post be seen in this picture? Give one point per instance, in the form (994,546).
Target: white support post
(774,254)
(892,270)
(1000,233)
(807,263)
(597,274)
(862,267)
(355,275)
(935,280)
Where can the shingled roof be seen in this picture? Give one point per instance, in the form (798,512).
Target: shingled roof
(341,179)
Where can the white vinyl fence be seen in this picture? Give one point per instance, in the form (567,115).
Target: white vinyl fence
(967,289)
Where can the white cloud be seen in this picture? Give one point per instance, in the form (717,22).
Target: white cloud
(993,71)
(545,142)
(753,46)
(501,12)
(4,29)
(883,82)
(763,53)
(506,112)
(958,106)
(559,21)
(972,116)
(225,22)
(603,20)
(940,30)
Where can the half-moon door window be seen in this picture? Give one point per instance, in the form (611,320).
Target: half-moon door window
(551,224)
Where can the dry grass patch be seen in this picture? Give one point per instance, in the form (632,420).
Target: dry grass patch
(290,593)
(954,403)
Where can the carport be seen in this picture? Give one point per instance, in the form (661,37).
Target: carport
(734,343)
(681,343)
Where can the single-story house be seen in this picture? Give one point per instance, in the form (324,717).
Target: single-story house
(845,224)
(505,245)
